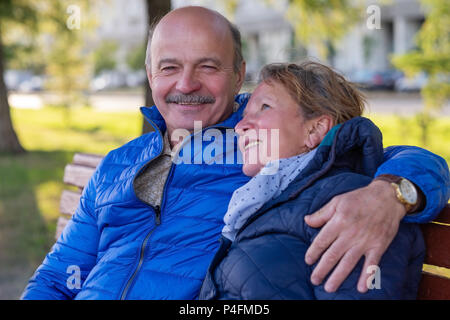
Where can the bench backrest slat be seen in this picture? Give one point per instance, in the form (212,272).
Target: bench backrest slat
(69,202)
(444,216)
(77,175)
(87,159)
(81,169)
(433,287)
(436,237)
(435,282)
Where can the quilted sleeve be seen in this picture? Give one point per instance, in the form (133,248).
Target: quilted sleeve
(64,269)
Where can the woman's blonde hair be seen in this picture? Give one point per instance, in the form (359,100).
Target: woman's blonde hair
(317,89)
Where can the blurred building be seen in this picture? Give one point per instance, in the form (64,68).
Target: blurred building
(268,37)
(370,49)
(123,22)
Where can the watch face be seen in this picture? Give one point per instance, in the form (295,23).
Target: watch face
(408,191)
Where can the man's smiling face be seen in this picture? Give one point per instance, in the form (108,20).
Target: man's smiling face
(192,76)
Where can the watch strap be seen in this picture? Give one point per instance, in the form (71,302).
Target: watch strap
(396,180)
(389,178)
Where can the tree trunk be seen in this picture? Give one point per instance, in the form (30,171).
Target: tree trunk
(156,9)
(8,138)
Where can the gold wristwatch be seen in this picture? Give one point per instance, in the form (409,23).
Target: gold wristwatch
(405,191)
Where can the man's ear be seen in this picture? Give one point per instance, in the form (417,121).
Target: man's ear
(240,78)
(149,74)
(318,129)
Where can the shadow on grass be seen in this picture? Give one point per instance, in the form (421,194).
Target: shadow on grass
(26,233)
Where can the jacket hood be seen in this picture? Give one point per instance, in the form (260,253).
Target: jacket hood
(357,144)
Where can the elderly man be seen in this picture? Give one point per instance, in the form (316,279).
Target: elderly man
(147,228)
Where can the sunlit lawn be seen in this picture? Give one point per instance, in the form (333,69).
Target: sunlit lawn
(406,131)
(31,184)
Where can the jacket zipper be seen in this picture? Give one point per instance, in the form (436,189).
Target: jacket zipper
(141,256)
(157,217)
(145,242)
(157,210)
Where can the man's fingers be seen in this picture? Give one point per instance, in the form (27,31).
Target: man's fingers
(343,269)
(321,216)
(320,243)
(369,271)
(327,262)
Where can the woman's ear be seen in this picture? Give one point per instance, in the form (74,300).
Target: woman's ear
(318,129)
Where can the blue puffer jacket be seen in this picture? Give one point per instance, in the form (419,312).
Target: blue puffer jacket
(117,247)
(266,260)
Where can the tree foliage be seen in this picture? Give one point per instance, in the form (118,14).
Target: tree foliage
(68,68)
(104,56)
(322,23)
(136,57)
(432,55)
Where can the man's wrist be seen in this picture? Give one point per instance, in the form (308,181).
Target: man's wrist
(393,179)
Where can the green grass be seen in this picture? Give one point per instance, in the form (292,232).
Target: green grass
(83,130)
(31,183)
(406,131)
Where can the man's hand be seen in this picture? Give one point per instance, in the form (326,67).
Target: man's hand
(357,223)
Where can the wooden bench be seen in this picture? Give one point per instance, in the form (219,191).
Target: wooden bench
(435,283)
(77,175)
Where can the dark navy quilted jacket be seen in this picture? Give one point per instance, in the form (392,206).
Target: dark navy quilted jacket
(118,247)
(266,260)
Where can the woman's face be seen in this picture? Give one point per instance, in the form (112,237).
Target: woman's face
(272,128)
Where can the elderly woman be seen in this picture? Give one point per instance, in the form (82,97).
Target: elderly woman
(309,118)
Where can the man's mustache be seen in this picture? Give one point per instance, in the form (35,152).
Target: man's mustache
(189,99)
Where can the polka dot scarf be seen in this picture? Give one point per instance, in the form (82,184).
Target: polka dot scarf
(268,184)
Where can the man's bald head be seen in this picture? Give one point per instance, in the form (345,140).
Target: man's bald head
(186,16)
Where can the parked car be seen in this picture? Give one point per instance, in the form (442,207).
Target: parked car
(108,80)
(135,79)
(23,80)
(375,80)
(117,79)
(415,83)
